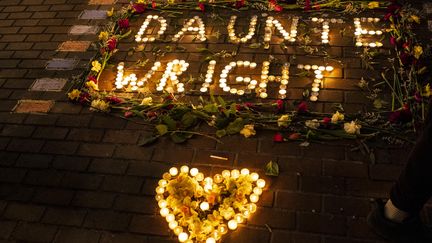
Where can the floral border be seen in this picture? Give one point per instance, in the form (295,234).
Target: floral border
(180,121)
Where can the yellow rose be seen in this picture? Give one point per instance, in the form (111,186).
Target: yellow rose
(99,105)
(337,117)
(96,66)
(92,85)
(427,91)
(103,35)
(352,127)
(248,131)
(415,18)
(373,5)
(74,94)
(284,121)
(110,12)
(147,101)
(418,51)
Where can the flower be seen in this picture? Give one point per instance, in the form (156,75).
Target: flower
(302,107)
(201,6)
(280,105)
(99,105)
(415,18)
(84,98)
(248,131)
(103,35)
(337,117)
(123,23)
(294,136)
(92,78)
(138,8)
(427,91)
(239,3)
(147,101)
(92,85)
(326,120)
(403,115)
(314,124)
(96,66)
(110,12)
(112,44)
(373,5)
(393,41)
(113,100)
(278,138)
(128,114)
(74,94)
(418,51)
(352,127)
(284,121)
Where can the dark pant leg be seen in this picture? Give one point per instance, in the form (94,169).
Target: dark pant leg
(414,186)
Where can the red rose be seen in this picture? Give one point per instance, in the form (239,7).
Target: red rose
(112,44)
(84,98)
(302,107)
(402,115)
(278,8)
(114,100)
(138,8)
(307,6)
(128,114)
(278,138)
(92,78)
(153,4)
(294,136)
(393,41)
(326,120)
(239,4)
(123,23)
(201,6)
(280,105)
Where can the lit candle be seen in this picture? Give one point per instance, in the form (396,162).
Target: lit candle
(183,237)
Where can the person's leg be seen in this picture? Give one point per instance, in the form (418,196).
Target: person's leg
(414,186)
(398,219)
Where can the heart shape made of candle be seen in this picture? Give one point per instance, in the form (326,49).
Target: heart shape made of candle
(202,209)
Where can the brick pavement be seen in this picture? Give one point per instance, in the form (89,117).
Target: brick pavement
(68,175)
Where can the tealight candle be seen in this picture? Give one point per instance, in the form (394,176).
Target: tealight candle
(204,206)
(232,224)
(184,169)
(261,183)
(210,240)
(173,171)
(182,237)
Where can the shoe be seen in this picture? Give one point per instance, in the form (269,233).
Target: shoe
(411,230)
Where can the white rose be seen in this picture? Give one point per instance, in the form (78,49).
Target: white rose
(312,123)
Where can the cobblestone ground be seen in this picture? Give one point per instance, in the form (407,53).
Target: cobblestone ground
(69,175)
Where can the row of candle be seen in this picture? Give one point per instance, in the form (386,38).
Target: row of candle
(149,18)
(289,36)
(233,220)
(177,67)
(270,23)
(239,79)
(319,76)
(188,28)
(359,32)
(231,30)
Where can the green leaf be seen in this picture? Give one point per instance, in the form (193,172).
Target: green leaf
(162,129)
(221,133)
(235,127)
(171,123)
(255,45)
(188,120)
(272,169)
(148,140)
(210,108)
(177,137)
(221,101)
